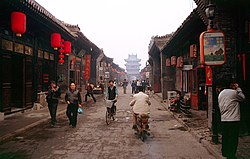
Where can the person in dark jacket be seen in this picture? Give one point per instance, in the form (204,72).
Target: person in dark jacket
(53,95)
(89,92)
(112,94)
(133,85)
(73,99)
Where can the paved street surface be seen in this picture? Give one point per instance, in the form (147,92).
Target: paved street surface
(94,139)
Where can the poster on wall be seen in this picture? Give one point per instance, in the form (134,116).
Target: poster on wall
(212,48)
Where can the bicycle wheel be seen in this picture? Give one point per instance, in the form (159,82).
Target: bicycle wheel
(108,116)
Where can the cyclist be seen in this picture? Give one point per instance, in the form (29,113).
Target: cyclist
(140,104)
(112,94)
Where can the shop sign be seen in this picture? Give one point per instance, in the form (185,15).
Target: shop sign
(87,67)
(40,53)
(208,76)
(52,57)
(106,75)
(46,55)
(28,50)
(7,45)
(212,48)
(187,67)
(19,48)
(45,78)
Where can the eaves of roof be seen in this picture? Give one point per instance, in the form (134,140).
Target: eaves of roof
(33,5)
(192,15)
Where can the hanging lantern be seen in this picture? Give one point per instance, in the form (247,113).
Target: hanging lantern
(173,60)
(61,61)
(55,40)
(61,51)
(61,56)
(179,62)
(18,23)
(168,62)
(67,47)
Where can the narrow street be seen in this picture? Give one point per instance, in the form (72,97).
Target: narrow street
(94,139)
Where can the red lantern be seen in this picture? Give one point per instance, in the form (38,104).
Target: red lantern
(67,47)
(168,62)
(61,61)
(61,56)
(179,62)
(18,23)
(61,51)
(173,60)
(55,40)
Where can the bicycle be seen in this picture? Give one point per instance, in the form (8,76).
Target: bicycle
(109,114)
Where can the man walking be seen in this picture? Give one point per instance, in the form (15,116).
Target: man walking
(229,104)
(89,92)
(53,95)
(133,85)
(124,85)
(73,99)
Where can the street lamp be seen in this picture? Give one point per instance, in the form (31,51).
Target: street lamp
(210,13)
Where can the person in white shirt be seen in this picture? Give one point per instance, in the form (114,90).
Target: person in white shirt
(229,105)
(140,104)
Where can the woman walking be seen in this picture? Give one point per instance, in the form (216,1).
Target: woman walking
(73,99)
(53,95)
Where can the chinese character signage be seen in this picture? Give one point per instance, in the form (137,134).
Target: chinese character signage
(87,67)
(208,76)
(212,48)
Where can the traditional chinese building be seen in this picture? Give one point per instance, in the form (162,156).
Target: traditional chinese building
(133,67)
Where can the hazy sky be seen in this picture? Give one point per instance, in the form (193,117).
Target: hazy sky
(122,27)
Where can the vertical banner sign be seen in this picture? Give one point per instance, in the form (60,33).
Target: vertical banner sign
(209,76)
(212,48)
(45,78)
(87,67)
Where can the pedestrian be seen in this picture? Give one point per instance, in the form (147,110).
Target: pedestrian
(53,95)
(133,85)
(89,92)
(229,104)
(73,99)
(144,85)
(124,86)
(138,84)
(112,94)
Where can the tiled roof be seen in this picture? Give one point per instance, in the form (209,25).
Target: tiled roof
(160,41)
(186,21)
(32,4)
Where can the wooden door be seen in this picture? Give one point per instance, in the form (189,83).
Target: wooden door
(17,90)
(6,77)
(28,82)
